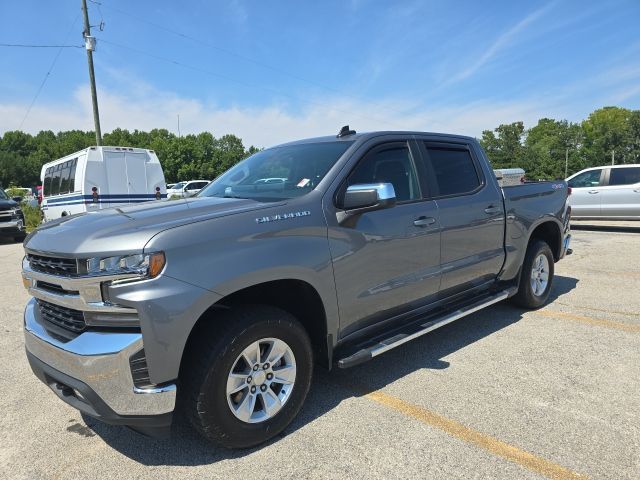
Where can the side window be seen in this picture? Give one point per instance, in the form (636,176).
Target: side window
(624,176)
(454,169)
(55,180)
(46,187)
(389,165)
(72,175)
(586,179)
(64,177)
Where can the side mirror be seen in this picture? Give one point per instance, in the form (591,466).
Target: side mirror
(366,197)
(17,199)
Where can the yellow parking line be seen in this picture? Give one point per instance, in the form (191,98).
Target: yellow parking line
(466,434)
(582,307)
(625,327)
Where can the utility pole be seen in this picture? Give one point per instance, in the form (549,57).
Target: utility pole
(566,163)
(613,157)
(90,45)
(179,126)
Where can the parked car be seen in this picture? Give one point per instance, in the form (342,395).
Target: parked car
(227,299)
(24,193)
(187,189)
(100,177)
(11,217)
(610,192)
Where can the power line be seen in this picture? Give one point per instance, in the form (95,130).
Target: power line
(242,57)
(231,79)
(44,80)
(22,45)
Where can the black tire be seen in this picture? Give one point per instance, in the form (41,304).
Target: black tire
(526,297)
(20,238)
(211,358)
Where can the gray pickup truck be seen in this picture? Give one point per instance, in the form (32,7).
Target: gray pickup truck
(222,303)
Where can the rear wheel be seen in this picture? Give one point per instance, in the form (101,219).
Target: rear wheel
(536,276)
(248,376)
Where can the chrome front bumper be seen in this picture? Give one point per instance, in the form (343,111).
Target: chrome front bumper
(99,360)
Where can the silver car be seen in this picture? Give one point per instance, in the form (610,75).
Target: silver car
(611,192)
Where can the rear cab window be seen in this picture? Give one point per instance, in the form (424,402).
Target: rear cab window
(453,169)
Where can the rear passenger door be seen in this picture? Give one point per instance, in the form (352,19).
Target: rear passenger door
(621,195)
(471,214)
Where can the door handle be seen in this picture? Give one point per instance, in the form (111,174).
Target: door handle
(491,209)
(424,221)
(637,190)
(593,191)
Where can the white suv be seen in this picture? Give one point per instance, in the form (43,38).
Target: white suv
(606,192)
(187,189)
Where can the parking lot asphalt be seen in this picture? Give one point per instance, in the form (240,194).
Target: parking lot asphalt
(503,393)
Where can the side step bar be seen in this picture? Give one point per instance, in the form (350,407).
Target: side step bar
(385,345)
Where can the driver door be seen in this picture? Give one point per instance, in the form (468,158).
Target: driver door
(586,193)
(388,262)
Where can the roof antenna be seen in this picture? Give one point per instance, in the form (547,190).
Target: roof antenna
(344,131)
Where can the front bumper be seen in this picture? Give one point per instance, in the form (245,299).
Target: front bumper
(92,373)
(11,228)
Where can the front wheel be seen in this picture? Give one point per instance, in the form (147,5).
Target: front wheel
(536,277)
(248,376)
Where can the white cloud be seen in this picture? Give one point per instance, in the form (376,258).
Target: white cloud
(503,41)
(265,126)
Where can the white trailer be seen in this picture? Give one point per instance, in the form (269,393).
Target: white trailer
(100,177)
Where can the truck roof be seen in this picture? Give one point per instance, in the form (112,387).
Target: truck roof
(368,135)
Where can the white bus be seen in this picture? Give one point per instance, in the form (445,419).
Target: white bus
(100,177)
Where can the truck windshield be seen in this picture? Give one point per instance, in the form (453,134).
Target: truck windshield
(3,196)
(278,173)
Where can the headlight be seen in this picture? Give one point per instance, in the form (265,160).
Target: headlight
(145,265)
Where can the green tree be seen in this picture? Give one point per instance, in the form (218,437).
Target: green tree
(548,145)
(504,145)
(607,133)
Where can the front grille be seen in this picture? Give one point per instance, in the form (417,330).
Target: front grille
(139,370)
(50,287)
(67,318)
(6,216)
(67,267)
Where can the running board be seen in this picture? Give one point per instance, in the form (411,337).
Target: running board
(387,344)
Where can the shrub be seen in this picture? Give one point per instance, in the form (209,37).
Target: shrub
(32,216)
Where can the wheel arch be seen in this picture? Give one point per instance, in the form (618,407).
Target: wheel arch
(549,231)
(295,296)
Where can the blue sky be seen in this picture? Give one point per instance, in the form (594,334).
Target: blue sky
(271,71)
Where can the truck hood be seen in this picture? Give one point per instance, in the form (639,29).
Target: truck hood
(7,204)
(129,228)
